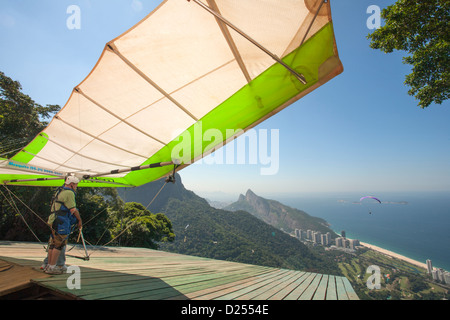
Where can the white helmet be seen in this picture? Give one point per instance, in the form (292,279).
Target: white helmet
(72,179)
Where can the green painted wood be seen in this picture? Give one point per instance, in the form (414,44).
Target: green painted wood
(269,288)
(165,291)
(264,281)
(297,292)
(213,292)
(320,293)
(331,288)
(349,289)
(192,290)
(136,273)
(283,293)
(309,292)
(340,289)
(279,287)
(137,285)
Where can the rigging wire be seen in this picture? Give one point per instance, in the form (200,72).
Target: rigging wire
(7,144)
(106,229)
(31,210)
(13,142)
(13,205)
(8,152)
(135,219)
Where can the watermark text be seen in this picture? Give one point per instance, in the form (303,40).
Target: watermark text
(73,22)
(374,20)
(255,147)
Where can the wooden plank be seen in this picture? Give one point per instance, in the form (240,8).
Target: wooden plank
(269,288)
(92,274)
(280,287)
(280,295)
(309,292)
(165,291)
(99,282)
(349,289)
(134,291)
(340,289)
(331,288)
(231,289)
(188,285)
(14,277)
(109,279)
(192,290)
(209,293)
(297,292)
(264,281)
(138,284)
(320,293)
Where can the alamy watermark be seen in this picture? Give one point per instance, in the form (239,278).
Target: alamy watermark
(374,20)
(255,147)
(374,281)
(74,280)
(73,22)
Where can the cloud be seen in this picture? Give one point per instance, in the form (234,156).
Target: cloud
(137,5)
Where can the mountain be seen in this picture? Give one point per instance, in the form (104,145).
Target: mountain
(278,215)
(202,230)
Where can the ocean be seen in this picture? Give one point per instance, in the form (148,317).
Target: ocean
(413,224)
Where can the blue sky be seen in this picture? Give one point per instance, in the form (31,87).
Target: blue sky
(360,132)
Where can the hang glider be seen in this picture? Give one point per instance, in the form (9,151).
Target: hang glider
(189,66)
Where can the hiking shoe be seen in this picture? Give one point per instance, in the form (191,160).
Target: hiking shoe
(62,268)
(54,270)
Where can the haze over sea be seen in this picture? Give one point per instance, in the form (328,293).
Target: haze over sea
(413,224)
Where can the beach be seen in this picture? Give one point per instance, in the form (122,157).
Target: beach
(394,255)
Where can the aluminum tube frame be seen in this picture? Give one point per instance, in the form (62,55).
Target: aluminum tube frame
(299,76)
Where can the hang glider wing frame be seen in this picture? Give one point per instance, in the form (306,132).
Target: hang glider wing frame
(186,68)
(299,76)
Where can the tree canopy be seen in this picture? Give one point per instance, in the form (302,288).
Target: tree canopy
(138,227)
(422,29)
(21,118)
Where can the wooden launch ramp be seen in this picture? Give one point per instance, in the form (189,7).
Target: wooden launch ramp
(135,273)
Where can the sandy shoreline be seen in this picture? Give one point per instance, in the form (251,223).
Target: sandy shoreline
(395,255)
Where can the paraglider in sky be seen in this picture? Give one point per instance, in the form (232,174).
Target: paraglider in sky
(369,197)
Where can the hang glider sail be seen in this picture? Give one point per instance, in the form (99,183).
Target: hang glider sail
(189,66)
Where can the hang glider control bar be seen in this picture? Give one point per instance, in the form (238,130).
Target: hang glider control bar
(299,76)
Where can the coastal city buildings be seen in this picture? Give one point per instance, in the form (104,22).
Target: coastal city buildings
(319,238)
(447,277)
(350,245)
(314,236)
(438,274)
(429,266)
